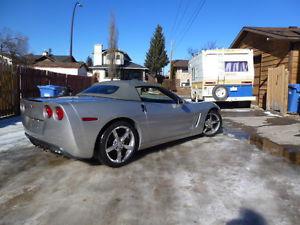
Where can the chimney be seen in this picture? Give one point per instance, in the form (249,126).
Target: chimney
(45,53)
(98,55)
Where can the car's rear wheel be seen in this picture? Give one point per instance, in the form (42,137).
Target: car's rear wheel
(117,144)
(213,123)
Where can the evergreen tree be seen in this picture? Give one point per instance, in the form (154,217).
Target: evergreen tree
(157,57)
(89,61)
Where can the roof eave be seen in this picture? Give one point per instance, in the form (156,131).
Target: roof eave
(253,30)
(128,68)
(238,37)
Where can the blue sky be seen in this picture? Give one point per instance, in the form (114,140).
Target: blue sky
(47,23)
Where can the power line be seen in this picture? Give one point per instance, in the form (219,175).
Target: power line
(176,17)
(191,21)
(181,18)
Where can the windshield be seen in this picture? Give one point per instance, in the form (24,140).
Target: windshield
(100,89)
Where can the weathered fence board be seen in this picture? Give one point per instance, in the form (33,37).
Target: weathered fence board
(31,78)
(9,91)
(277,89)
(16,82)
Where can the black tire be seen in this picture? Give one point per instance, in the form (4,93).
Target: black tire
(217,89)
(101,154)
(219,129)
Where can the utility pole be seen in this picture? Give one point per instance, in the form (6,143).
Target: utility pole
(72,25)
(1,46)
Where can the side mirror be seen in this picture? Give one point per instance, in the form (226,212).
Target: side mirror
(180,101)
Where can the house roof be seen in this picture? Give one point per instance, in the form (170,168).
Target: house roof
(131,65)
(282,33)
(127,65)
(55,58)
(180,63)
(49,63)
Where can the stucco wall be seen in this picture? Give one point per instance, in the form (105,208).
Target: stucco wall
(183,76)
(100,74)
(70,71)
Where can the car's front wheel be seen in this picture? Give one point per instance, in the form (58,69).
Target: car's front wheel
(213,123)
(117,144)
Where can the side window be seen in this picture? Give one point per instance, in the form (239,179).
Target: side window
(154,94)
(237,66)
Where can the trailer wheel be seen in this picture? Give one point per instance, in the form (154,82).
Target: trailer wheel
(220,93)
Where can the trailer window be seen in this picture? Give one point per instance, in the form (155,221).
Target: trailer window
(236,66)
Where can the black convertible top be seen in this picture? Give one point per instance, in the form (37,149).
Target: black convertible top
(126,89)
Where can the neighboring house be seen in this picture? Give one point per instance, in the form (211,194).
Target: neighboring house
(6,58)
(126,69)
(180,68)
(59,64)
(271,47)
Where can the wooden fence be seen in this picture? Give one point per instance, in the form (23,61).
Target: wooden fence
(9,91)
(31,78)
(277,89)
(21,82)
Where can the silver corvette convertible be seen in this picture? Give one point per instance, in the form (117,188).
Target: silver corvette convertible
(110,121)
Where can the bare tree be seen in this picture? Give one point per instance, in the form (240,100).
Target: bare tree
(192,51)
(113,46)
(14,44)
(210,45)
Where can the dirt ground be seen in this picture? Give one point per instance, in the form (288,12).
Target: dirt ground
(226,179)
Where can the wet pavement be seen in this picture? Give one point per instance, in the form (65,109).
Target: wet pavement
(226,179)
(277,135)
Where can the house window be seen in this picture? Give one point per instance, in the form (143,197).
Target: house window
(188,82)
(118,57)
(184,70)
(193,73)
(236,66)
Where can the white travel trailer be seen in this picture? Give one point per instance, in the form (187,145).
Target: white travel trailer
(222,75)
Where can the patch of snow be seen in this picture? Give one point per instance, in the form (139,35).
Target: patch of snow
(12,134)
(237,110)
(271,114)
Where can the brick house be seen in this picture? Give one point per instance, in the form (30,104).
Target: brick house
(180,69)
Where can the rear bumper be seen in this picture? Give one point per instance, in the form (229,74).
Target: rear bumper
(67,148)
(45,145)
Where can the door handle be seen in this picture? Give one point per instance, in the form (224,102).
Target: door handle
(143,108)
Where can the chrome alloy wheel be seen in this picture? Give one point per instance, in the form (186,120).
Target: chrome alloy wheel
(120,144)
(212,123)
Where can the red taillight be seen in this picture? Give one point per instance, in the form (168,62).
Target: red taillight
(59,113)
(48,111)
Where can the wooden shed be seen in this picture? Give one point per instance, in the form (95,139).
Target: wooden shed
(272,47)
